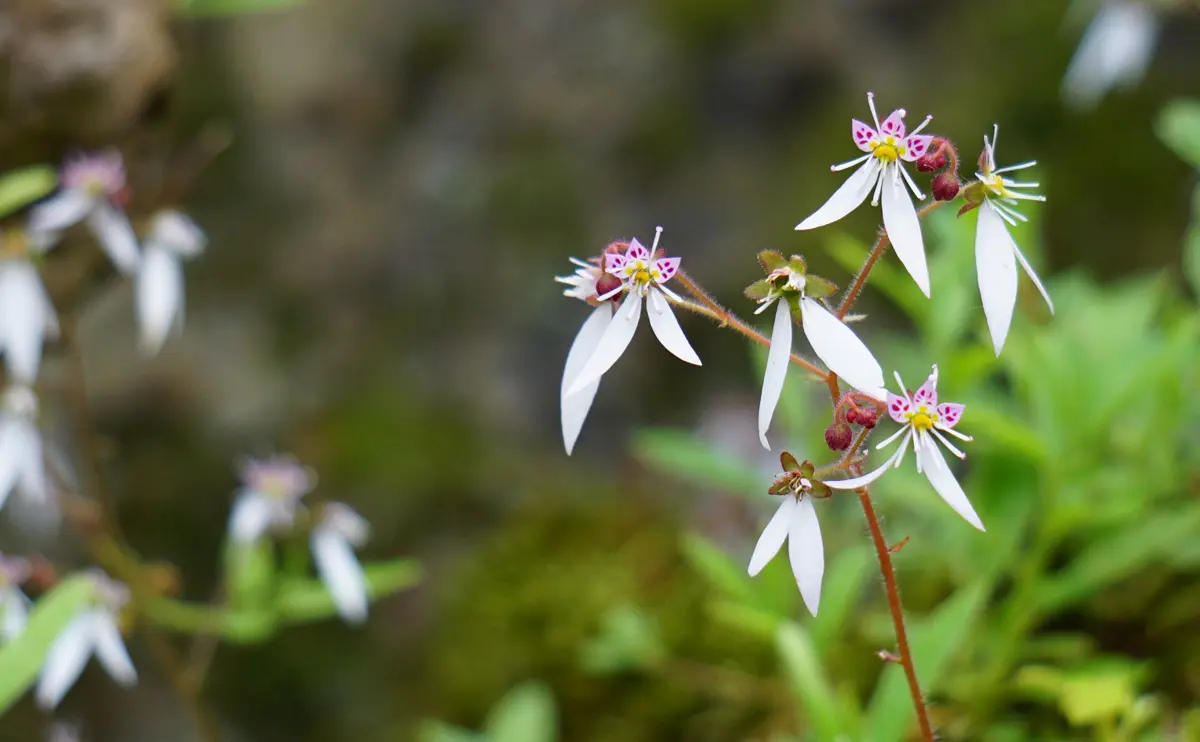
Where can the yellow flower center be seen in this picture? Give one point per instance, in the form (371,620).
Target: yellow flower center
(995,184)
(888,150)
(922,418)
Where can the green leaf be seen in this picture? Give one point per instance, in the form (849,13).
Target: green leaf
(432,730)
(628,640)
(808,679)
(1099,692)
(1178,127)
(750,620)
(840,593)
(935,640)
(21,659)
(1191,245)
(526,714)
(714,565)
(22,187)
(885,276)
(681,453)
(302,601)
(218,8)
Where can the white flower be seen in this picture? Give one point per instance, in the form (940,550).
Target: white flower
(795,522)
(270,494)
(27,316)
(173,237)
(923,421)
(93,631)
(91,187)
(22,464)
(1115,51)
(642,277)
(338,532)
(882,173)
(574,407)
(833,341)
(996,254)
(14,606)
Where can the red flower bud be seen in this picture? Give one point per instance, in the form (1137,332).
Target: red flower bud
(606,283)
(945,187)
(838,436)
(930,161)
(867,417)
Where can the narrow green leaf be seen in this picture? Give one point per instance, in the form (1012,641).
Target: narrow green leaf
(219,8)
(681,453)
(808,679)
(22,187)
(21,659)
(885,276)
(714,565)
(840,591)
(628,640)
(432,730)
(302,601)
(1191,245)
(526,714)
(1178,127)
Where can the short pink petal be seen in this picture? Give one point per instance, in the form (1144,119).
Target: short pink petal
(898,407)
(893,125)
(949,413)
(916,146)
(666,267)
(863,135)
(636,251)
(927,394)
(613,263)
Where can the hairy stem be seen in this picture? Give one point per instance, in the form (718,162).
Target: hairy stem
(881,246)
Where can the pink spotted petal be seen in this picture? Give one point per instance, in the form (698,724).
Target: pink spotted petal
(613,263)
(863,135)
(893,125)
(949,413)
(927,394)
(666,267)
(916,146)
(636,251)
(898,407)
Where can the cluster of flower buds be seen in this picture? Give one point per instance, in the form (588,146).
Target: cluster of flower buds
(617,283)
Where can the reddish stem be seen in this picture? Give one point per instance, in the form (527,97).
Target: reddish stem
(881,245)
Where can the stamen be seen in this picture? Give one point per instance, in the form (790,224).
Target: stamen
(657,234)
(611,294)
(1018,166)
(580,263)
(763,307)
(903,389)
(851,163)
(669,293)
(891,438)
(879,186)
(874,116)
(1018,184)
(912,185)
(899,455)
(922,125)
(949,446)
(953,432)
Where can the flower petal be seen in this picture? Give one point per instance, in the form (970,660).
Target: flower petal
(1033,276)
(65,660)
(110,649)
(12,447)
(931,462)
(116,236)
(778,360)
(893,125)
(806,552)
(773,536)
(898,408)
(916,146)
(636,251)
(841,350)
(342,574)
(575,407)
(613,263)
(249,517)
(845,199)
(23,319)
(64,209)
(926,394)
(869,477)
(12,613)
(904,228)
(1115,50)
(667,330)
(666,268)
(949,413)
(863,135)
(612,344)
(31,480)
(159,294)
(174,231)
(996,268)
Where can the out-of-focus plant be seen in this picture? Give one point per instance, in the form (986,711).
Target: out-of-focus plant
(526,714)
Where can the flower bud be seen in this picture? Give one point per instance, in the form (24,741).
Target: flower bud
(945,187)
(866,417)
(838,436)
(606,283)
(931,161)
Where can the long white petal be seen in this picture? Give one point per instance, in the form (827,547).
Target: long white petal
(159,295)
(176,232)
(342,574)
(1033,277)
(778,359)
(807,553)
(110,648)
(613,342)
(996,268)
(841,350)
(12,613)
(575,407)
(32,474)
(933,465)
(773,536)
(12,447)
(249,518)
(23,319)
(904,229)
(116,236)
(69,206)
(845,199)
(65,660)
(871,476)
(666,328)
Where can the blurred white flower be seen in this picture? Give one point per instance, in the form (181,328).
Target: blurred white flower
(334,538)
(882,173)
(94,631)
(574,407)
(996,254)
(27,317)
(643,277)
(1114,52)
(270,493)
(22,464)
(14,606)
(92,186)
(173,237)
(923,421)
